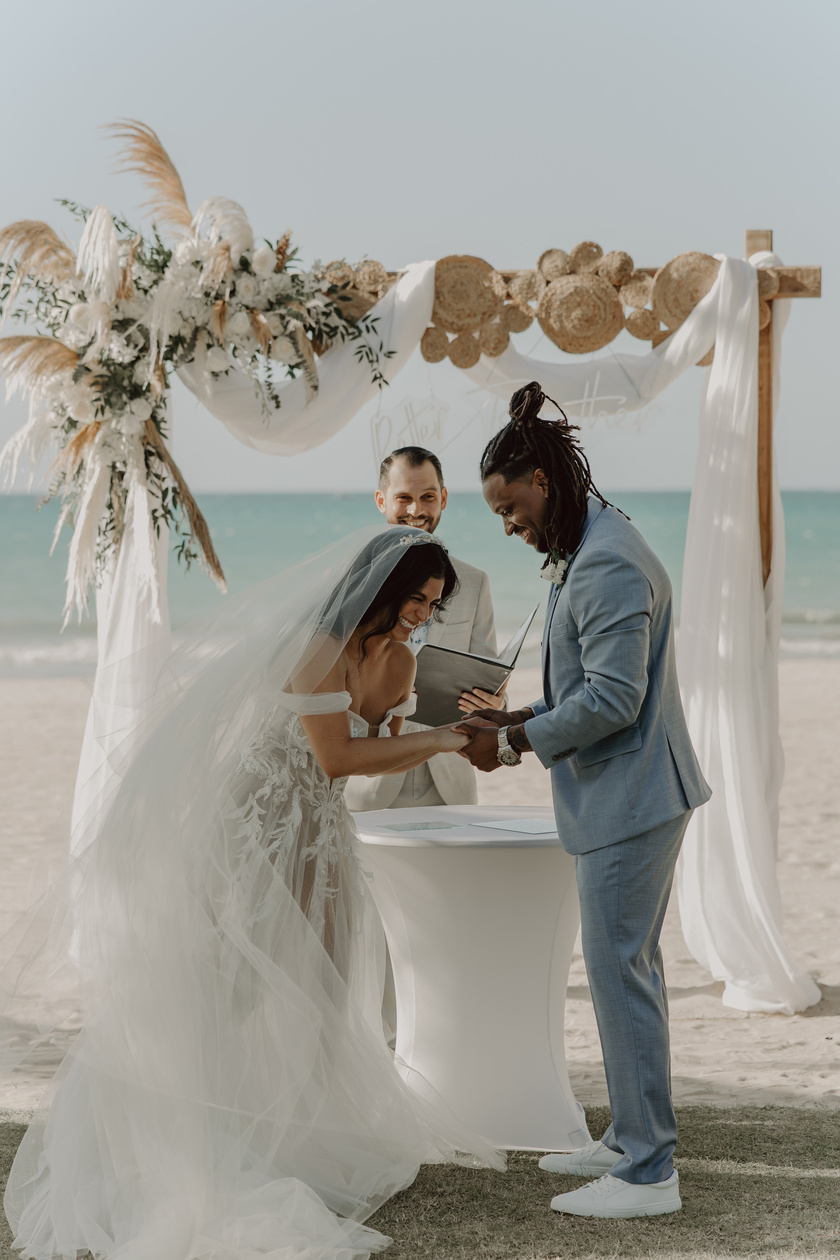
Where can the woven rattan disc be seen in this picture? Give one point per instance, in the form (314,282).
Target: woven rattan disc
(354,304)
(585,257)
(339,272)
(616,266)
(371,277)
(517,318)
(768,283)
(680,285)
(661,336)
(468,293)
(493,339)
(526,286)
(554,263)
(465,351)
(642,324)
(580,313)
(434,345)
(708,359)
(637,290)
(764,314)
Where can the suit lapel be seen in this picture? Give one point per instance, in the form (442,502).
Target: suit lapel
(594,510)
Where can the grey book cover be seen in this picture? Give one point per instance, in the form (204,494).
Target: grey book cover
(443,673)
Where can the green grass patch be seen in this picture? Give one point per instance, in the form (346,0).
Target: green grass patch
(755,1181)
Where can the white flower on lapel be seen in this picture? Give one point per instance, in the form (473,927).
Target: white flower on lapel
(555,571)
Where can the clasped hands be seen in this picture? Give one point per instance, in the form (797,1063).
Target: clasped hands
(483,731)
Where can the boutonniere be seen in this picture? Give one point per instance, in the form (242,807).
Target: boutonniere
(555,571)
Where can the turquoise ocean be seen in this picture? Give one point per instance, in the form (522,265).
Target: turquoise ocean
(259,535)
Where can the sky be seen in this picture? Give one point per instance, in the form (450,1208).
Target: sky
(405,131)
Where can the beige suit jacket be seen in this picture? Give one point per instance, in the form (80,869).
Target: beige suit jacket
(468,626)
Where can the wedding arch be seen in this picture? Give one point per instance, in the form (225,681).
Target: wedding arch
(285,356)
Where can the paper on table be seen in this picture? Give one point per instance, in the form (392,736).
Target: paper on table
(531,826)
(421,826)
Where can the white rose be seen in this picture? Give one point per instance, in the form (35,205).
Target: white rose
(80,405)
(129,425)
(284,350)
(246,287)
(141,372)
(190,250)
(239,325)
(79,315)
(264,261)
(276,322)
(217,360)
(141,408)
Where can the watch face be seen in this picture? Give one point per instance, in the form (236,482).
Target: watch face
(509,757)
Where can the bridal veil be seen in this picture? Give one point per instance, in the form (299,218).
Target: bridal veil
(228,1093)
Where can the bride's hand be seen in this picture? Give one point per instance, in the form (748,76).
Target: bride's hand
(452,738)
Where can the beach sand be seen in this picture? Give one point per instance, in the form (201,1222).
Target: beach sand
(721,1057)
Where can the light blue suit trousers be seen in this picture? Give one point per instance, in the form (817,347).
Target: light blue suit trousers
(624,890)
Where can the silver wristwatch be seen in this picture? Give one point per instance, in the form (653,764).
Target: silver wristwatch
(506,755)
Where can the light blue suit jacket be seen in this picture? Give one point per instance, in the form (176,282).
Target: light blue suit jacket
(610,725)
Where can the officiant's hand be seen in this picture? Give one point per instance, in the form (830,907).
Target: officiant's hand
(483,748)
(480,702)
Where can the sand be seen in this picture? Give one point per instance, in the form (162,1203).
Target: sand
(720,1057)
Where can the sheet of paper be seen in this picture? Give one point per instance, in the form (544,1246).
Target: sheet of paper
(421,826)
(528,826)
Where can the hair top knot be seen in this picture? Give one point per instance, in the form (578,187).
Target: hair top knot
(526,403)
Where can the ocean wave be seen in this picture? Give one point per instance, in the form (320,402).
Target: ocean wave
(823,649)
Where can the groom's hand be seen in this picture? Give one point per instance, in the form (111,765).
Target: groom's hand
(483,748)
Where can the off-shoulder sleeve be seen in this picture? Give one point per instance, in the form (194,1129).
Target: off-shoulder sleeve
(405,709)
(315,704)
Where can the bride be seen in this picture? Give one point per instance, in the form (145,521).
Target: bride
(230,1094)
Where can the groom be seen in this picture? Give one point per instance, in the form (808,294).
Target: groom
(625,780)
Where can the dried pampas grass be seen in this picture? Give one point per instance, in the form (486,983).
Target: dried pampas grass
(143,152)
(32,363)
(72,457)
(198,526)
(36,251)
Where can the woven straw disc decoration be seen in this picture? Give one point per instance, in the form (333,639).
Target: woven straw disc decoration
(371,277)
(526,286)
(616,266)
(585,257)
(642,324)
(637,289)
(680,285)
(465,351)
(581,313)
(517,318)
(554,263)
(434,345)
(468,293)
(493,339)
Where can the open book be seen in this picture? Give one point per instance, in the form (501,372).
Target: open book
(443,673)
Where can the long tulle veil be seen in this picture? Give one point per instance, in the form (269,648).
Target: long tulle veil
(224,1093)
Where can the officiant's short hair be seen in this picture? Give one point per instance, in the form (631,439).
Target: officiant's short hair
(414,456)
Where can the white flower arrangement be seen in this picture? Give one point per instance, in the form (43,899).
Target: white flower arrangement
(119,318)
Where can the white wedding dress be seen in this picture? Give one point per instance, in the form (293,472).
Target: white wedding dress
(230,1094)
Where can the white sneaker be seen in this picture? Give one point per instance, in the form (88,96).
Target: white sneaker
(587,1161)
(610,1198)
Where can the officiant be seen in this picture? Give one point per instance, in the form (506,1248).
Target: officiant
(412,492)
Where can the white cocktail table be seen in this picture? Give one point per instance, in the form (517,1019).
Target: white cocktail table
(480,924)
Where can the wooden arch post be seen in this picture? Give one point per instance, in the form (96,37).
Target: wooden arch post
(793,282)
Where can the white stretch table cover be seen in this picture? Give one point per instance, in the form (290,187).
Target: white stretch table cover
(481,925)
(728,663)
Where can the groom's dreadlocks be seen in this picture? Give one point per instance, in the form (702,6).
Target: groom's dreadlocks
(527,443)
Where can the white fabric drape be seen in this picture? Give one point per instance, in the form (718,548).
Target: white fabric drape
(730,902)
(728,662)
(304,420)
(133,641)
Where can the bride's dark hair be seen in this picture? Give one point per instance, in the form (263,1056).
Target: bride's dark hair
(408,577)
